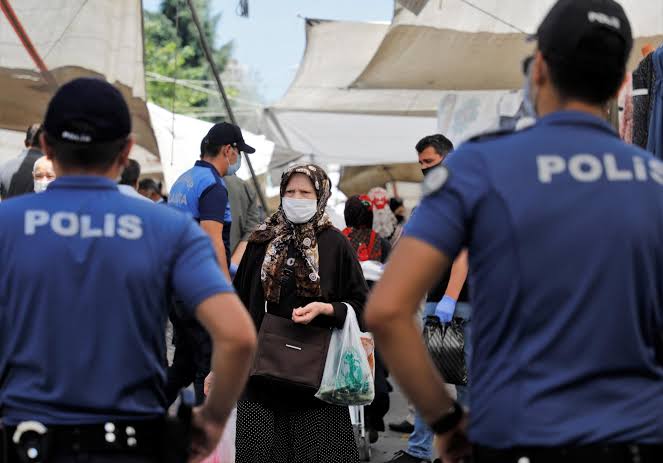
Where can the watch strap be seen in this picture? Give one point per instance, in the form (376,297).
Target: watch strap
(449,420)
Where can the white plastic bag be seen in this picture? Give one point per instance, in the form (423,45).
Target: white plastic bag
(347,379)
(225,451)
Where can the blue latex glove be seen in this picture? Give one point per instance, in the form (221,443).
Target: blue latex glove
(233,270)
(445,309)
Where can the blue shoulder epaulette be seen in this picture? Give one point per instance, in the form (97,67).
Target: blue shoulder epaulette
(491,135)
(435,180)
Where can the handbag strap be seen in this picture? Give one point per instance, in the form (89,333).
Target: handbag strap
(371,243)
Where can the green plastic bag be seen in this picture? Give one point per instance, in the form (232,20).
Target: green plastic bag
(347,379)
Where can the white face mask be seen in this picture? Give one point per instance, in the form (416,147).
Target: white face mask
(40,185)
(299,210)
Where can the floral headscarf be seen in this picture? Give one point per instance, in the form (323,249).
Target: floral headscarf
(279,232)
(384,221)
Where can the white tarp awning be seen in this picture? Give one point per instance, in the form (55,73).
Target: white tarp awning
(451,45)
(180,149)
(351,139)
(46,43)
(328,69)
(322,118)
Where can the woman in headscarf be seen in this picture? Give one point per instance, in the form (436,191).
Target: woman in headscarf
(305,270)
(370,247)
(368,244)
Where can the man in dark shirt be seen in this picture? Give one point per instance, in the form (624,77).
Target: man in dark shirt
(442,300)
(16,174)
(245,214)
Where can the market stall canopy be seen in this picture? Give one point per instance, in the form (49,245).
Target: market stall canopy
(321,117)
(328,69)
(358,180)
(45,44)
(475,44)
(179,140)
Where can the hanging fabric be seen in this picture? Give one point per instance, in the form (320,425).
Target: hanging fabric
(626,115)
(643,86)
(655,137)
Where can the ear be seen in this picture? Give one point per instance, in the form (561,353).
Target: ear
(123,158)
(47,150)
(540,72)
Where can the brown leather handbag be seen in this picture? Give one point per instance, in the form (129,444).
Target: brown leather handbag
(290,352)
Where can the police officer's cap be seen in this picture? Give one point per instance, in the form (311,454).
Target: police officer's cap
(87,110)
(227,134)
(569,21)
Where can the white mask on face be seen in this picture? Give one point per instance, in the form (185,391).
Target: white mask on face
(40,185)
(299,210)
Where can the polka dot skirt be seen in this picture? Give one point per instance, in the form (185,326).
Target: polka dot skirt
(306,435)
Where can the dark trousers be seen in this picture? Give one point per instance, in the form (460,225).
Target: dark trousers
(193,356)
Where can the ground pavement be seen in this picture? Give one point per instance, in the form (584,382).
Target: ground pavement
(390,442)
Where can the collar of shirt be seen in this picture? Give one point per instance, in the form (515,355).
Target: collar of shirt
(83,182)
(577,118)
(209,166)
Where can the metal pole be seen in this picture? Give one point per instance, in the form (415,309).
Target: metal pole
(217,77)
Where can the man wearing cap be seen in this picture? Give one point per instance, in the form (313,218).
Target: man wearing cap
(563,226)
(82,343)
(202,193)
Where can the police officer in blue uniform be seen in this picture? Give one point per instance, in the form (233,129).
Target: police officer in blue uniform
(83,297)
(563,223)
(202,193)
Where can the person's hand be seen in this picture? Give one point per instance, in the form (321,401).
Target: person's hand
(454,447)
(206,433)
(207,385)
(305,315)
(445,309)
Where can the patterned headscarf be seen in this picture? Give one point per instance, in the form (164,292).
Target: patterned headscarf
(384,221)
(279,232)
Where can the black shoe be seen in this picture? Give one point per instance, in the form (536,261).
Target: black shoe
(404,426)
(404,457)
(372,436)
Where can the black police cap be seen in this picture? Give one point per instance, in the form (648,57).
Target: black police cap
(87,110)
(225,133)
(569,21)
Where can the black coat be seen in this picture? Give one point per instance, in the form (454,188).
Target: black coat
(341,280)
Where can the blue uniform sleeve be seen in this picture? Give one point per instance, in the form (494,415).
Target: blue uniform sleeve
(196,274)
(443,218)
(212,203)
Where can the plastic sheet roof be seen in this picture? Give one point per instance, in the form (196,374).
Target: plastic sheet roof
(57,40)
(451,45)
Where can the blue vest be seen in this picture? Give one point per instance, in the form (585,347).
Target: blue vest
(192,184)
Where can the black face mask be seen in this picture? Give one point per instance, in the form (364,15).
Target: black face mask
(427,170)
(400,218)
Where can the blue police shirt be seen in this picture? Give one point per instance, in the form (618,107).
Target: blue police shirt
(564,225)
(87,276)
(202,193)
